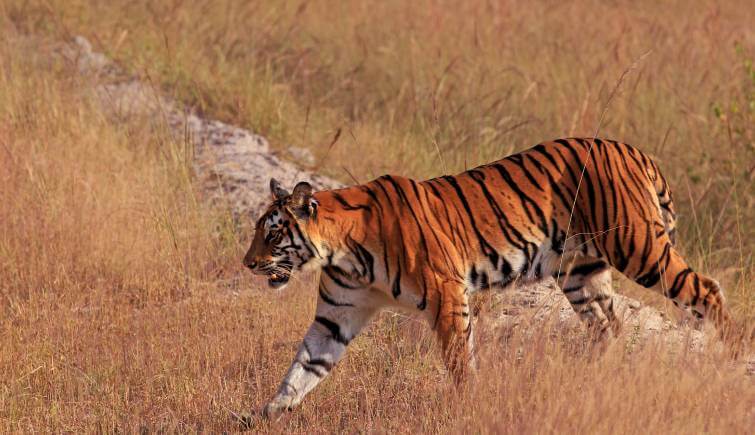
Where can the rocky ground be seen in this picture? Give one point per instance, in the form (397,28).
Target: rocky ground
(232,163)
(235,165)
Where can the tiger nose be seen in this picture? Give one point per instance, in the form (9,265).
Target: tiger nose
(251,264)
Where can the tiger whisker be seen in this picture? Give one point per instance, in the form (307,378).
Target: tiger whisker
(594,234)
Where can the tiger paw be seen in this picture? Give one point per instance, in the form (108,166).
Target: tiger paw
(274,409)
(244,420)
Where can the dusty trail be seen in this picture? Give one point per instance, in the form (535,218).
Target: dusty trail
(232,163)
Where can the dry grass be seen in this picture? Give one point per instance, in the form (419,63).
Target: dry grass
(123,306)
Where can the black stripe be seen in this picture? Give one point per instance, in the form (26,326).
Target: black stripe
(580,301)
(523,197)
(567,166)
(423,242)
(502,220)
(539,166)
(383,238)
(619,258)
(600,297)
(632,245)
(312,369)
(307,244)
(345,204)
(519,160)
(330,301)
(558,238)
(484,280)
(455,233)
(640,184)
(554,185)
(652,277)
(587,269)
(649,279)
(648,259)
(487,249)
(443,246)
(402,248)
(335,330)
(331,272)
(609,171)
(461,229)
(434,189)
(540,148)
(506,268)
(676,288)
(604,202)
(433,205)
(437,312)
(592,224)
(696,282)
(667,252)
(638,203)
(363,257)
(473,275)
(397,283)
(327,365)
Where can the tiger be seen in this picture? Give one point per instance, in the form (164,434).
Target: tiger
(572,209)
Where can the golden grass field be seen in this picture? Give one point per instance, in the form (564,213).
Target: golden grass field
(123,303)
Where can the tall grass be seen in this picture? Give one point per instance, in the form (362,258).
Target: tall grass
(122,303)
(422,88)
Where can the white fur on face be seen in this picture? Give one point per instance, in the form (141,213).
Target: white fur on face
(274,220)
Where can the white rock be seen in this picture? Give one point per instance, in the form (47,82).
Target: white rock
(233,165)
(301,156)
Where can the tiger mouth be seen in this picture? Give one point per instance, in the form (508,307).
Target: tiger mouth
(276,280)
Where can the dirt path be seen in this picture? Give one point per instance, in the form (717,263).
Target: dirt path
(231,163)
(235,165)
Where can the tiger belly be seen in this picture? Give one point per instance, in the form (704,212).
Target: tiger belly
(515,265)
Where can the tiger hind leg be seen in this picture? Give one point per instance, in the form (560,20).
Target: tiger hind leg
(587,286)
(668,273)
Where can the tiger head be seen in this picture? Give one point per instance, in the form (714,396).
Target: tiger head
(281,244)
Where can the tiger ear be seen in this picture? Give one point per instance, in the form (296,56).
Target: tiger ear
(301,200)
(276,190)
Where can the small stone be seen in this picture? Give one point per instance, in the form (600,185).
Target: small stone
(83,43)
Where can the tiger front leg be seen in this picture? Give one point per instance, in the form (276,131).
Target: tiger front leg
(323,346)
(453,326)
